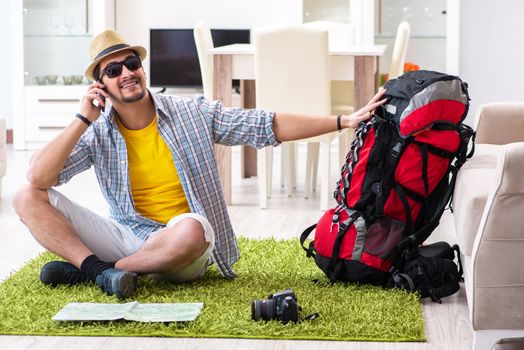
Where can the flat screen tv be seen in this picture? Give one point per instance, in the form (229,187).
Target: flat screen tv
(173,58)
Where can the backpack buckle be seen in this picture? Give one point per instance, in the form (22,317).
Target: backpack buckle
(310,252)
(395,151)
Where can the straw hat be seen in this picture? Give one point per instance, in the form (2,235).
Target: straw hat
(105,44)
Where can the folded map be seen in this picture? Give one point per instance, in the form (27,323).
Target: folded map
(133,311)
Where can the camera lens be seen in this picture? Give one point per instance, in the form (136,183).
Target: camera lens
(263,310)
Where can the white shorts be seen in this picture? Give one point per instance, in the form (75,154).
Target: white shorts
(112,241)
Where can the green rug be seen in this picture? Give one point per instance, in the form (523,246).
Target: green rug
(347,312)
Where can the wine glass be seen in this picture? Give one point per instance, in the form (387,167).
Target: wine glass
(69,22)
(55,23)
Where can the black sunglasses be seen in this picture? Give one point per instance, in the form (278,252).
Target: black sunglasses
(114,69)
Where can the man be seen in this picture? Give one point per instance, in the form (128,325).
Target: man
(153,157)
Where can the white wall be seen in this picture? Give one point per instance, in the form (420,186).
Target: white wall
(428,53)
(452,36)
(362,17)
(491,50)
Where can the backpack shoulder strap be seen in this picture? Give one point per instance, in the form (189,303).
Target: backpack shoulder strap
(310,251)
(417,238)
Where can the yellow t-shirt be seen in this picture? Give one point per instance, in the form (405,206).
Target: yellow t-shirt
(155,186)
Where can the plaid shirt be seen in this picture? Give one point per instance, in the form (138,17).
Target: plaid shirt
(190,127)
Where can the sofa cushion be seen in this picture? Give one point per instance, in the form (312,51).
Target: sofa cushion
(474,181)
(485,156)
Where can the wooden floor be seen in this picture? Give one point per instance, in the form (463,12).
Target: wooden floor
(447,324)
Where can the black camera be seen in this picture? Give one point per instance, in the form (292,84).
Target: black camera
(282,306)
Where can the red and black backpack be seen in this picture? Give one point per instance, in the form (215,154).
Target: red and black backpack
(396,182)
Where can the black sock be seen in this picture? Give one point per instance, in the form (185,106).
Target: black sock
(93,266)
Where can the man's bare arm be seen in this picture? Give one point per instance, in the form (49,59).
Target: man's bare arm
(46,164)
(289,127)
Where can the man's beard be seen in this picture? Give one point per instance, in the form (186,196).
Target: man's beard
(128,99)
(136,97)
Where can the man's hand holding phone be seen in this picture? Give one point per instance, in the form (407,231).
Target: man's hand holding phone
(94,101)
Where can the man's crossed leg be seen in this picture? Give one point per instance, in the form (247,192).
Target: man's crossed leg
(103,251)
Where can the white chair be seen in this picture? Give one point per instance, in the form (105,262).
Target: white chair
(204,42)
(292,75)
(398,58)
(3,152)
(340,35)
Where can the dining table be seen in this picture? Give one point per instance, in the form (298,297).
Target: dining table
(358,63)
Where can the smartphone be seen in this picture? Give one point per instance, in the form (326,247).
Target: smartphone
(96,103)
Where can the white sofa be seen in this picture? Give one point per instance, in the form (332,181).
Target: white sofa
(489,219)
